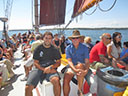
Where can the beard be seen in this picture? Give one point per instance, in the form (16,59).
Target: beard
(47,44)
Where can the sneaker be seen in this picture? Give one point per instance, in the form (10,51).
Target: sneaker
(24,79)
(16,66)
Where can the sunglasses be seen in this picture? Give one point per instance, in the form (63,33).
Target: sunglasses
(75,38)
(119,36)
(48,38)
(109,38)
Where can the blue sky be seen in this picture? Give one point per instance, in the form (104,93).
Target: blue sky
(117,17)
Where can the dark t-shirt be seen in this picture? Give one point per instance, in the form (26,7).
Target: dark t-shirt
(46,56)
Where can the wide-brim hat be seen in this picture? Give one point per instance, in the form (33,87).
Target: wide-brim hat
(75,34)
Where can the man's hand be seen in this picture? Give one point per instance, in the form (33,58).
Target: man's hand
(49,70)
(81,72)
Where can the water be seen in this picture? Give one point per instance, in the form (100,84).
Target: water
(94,34)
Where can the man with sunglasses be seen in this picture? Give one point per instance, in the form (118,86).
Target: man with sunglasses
(77,55)
(46,61)
(99,51)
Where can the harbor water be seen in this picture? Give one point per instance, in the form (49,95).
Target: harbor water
(94,34)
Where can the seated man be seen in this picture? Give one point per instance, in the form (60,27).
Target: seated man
(78,59)
(99,51)
(46,60)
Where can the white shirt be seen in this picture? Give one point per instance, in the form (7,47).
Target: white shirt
(115,51)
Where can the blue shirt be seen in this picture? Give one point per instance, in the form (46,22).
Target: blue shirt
(124,51)
(77,55)
(30,43)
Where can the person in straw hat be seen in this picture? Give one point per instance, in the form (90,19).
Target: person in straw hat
(78,59)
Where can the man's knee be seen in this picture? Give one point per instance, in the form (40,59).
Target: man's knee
(80,66)
(29,88)
(55,80)
(67,78)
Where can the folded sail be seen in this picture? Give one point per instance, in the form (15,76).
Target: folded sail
(52,12)
(76,7)
(83,5)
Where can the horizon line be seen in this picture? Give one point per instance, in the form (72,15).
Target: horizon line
(73,28)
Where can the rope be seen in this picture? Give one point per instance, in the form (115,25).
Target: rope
(9,13)
(4,5)
(32,15)
(91,12)
(103,10)
(67,24)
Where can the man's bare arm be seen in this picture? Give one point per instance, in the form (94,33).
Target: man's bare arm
(104,60)
(37,65)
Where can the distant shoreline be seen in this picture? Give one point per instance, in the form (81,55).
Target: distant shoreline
(104,28)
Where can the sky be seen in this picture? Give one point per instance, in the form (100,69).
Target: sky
(21,15)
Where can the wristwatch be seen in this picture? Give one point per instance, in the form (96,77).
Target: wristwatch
(50,67)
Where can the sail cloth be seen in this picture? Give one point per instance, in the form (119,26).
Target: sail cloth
(82,5)
(52,12)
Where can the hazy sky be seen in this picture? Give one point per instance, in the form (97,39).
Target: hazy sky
(21,15)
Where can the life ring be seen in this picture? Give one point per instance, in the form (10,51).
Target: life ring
(114,76)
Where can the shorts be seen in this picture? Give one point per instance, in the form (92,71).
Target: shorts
(37,75)
(70,70)
(96,65)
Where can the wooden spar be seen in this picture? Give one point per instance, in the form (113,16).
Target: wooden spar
(36,17)
(85,5)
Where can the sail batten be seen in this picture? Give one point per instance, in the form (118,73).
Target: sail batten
(52,12)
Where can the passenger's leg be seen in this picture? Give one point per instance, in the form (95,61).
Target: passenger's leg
(0,81)
(32,81)
(80,79)
(26,70)
(80,84)
(56,85)
(9,65)
(66,83)
(28,90)
(4,71)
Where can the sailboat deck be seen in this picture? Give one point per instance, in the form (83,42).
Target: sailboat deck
(17,87)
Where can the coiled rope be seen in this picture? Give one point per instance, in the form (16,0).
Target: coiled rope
(103,10)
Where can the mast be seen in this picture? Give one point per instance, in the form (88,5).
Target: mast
(5,35)
(36,16)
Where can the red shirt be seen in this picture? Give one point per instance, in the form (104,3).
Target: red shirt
(98,49)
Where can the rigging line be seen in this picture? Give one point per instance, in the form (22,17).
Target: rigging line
(103,10)
(67,24)
(4,6)
(7,8)
(9,12)
(69,10)
(91,12)
(32,15)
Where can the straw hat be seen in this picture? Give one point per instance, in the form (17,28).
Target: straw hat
(75,34)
